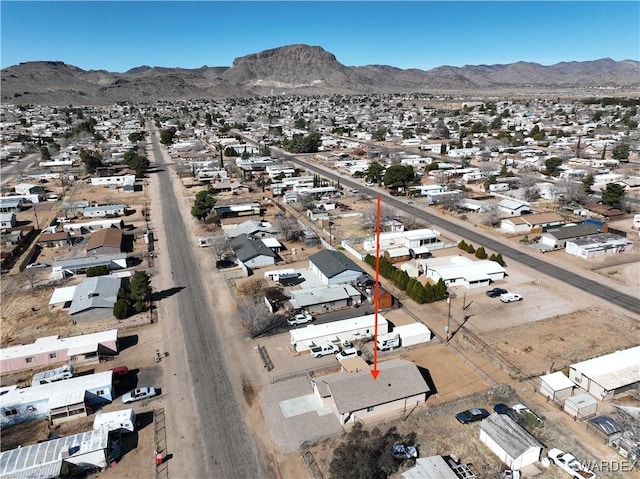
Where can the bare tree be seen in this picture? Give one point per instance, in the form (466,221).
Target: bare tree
(492,215)
(290,228)
(221,246)
(571,192)
(252,289)
(370,216)
(529,188)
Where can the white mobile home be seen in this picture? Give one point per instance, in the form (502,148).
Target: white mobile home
(362,327)
(104,211)
(325,298)
(125,419)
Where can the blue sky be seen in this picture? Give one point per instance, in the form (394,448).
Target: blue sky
(117,36)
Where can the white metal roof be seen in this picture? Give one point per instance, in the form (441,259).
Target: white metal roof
(44,460)
(557,381)
(62,295)
(59,393)
(312,331)
(613,370)
(55,343)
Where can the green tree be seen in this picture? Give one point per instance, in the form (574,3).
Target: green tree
(303,143)
(379,134)
(136,136)
(620,151)
(45,154)
(166,136)
(398,175)
(140,286)
(374,172)
(552,165)
(300,124)
(203,203)
(121,308)
(613,195)
(481,253)
(97,271)
(587,182)
(91,159)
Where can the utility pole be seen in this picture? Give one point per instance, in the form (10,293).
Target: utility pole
(447,329)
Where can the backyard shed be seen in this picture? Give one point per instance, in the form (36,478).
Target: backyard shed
(556,386)
(581,406)
(509,441)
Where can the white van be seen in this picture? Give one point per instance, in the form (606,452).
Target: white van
(510,297)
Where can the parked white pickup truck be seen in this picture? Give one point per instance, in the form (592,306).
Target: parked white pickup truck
(570,464)
(325,349)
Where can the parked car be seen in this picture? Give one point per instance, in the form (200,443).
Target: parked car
(119,373)
(495,292)
(507,411)
(350,352)
(570,464)
(510,297)
(300,318)
(37,265)
(524,411)
(400,451)
(319,351)
(472,415)
(138,395)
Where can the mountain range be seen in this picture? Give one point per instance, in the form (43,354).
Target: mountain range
(296,70)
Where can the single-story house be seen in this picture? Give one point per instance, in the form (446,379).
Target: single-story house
(513,207)
(28,189)
(105,241)
(118,180)
(72,266)
(253,253)
(87,450)
(597,245)
(356,396)
(236,211)
(325,298)
(50,240)
(527,223)
(353,329)
(462,271)
(104,211)
(556,386)
(318,215)
(91,226)
(558,237)
(12,205)
(608,376)
(409,239)
(7,220)
(53,350)
(513,445)
(95,293)
(58,400)
(252,229)
(333,267)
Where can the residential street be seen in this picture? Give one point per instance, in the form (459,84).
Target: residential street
(600,290)
(207,433)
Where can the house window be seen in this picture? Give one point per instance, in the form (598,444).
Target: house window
(370,409)
(53,355)
(11,412)
(29,360)
(100,392)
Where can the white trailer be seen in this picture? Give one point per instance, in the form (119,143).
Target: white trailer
(116,420)
(412,334)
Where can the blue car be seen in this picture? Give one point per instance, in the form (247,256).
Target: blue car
(472,415)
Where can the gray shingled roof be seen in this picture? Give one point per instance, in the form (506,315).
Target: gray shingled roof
(95,292)
(573,231)
(332,263)
(398,379)
(246,249)
(510,436)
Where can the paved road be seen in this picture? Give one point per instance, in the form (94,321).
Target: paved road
(228,450)
(10,172)
(625,301)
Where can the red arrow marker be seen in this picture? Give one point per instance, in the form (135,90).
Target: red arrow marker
(376,296)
